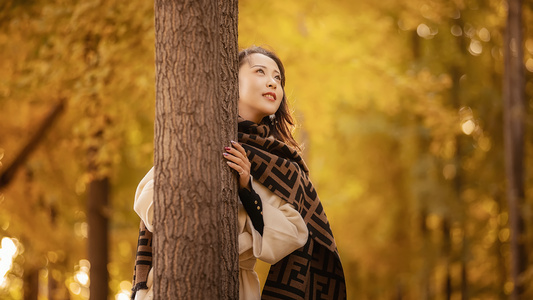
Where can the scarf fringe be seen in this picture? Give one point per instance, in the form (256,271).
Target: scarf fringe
(139,286)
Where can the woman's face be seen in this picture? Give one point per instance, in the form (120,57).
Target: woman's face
(260,90)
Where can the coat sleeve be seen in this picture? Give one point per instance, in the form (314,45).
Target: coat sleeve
(284,228)
(144,197)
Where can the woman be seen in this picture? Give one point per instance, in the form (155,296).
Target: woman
(281,219)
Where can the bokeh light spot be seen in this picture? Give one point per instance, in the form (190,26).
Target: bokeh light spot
(456,30)
(74,288)
(8,251)
(449,171)
(529,64)
(529,45)
(475,47)
(423,31)
(468,127)
(484,34)
(504,235)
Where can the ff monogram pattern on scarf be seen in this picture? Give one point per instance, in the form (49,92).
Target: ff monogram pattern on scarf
(313,271)
(143,260)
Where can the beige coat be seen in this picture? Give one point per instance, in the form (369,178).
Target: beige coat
(284,232)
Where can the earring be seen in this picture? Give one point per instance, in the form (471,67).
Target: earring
(272,118)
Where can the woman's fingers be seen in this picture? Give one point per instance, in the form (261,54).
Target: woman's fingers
(236,152)
(235,167)
(235,159)
(239,147)
(238,161)
(240,153)
(231,155)
(244,177)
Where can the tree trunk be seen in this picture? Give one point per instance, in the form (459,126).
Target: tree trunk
(52,285)
(426,291)
(456,73)
(98,237)
(195,200)
(31,284)
(447,250)
(98,187)
(513,128)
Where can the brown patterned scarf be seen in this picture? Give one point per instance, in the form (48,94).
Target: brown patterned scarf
(143,260)
(313,271)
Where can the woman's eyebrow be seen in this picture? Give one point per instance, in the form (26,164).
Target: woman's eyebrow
(261,66)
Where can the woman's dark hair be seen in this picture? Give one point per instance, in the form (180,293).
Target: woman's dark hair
(284,123)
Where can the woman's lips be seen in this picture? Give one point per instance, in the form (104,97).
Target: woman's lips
(270,96)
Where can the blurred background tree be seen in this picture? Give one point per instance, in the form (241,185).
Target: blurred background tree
(399,107)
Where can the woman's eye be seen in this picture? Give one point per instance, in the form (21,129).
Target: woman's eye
(278,78)
(260,71)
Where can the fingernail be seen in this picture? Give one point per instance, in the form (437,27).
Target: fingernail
(233,142)
(227,148)
(225,154)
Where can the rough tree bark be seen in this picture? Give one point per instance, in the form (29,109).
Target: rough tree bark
(513,124)
(195,200)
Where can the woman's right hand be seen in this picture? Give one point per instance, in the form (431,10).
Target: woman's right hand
(238,161)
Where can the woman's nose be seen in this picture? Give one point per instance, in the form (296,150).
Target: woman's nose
(272,84)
